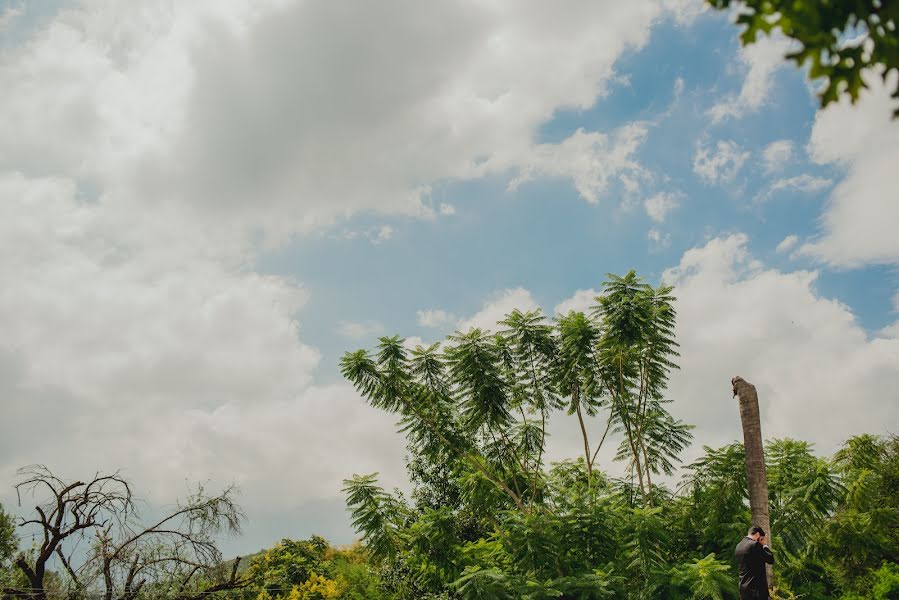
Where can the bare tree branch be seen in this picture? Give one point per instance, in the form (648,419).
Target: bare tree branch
(125,555)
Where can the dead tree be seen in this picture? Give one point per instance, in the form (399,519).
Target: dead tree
(756,477)
(95,532)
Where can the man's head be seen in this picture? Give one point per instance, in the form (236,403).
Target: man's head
(756,532)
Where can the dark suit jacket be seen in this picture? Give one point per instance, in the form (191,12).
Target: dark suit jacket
(751,558)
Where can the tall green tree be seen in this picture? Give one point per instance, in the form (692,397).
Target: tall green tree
(476,411)
(635,353)
(483,400)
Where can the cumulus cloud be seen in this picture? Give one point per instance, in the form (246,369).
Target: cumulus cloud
(803,184)
(582,301)
(288,115)
(659,205)
(858,224)
(590,159)
(497,306)
(658,240)
(116,353)
(805,353)
(382,234)
(148,347)
(776,155)
(787,244)
(720,164)
(9,13)
(761,59)
(435,317)
(110,318)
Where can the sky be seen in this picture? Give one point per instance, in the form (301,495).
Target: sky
(203,205)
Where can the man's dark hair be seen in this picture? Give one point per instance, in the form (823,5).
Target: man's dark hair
(756,529)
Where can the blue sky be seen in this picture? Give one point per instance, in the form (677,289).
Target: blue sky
(203,205)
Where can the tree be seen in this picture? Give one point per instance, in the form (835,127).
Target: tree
(804,491)
(863,530)
(840,40)
(288,565)
(635,352)
(8,540)
(716,492)
(475,411)
(176,552)
(9,543)
(484,400)
(757,482)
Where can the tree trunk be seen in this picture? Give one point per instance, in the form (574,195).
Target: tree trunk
(756,478)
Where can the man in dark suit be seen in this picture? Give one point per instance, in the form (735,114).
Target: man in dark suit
(752,553)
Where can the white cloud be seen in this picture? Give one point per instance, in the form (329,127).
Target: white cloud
(858,224)
(582,301)
(359,330)
(804,183)
(787,244)
(435,317)
(806,354)
(658,240)
(163,360)
(284,116)
(776,155)
(762,60)
(413,341)
(721,164)
(659,205)
(92,307)
(497,306)
(590,159)
(381,234)
(447,209)
(9,13)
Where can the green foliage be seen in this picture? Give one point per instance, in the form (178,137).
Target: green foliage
(839,41)
(887,582)
(705,579)
(8,540)
(312,570)
(646,539)
(863,531)
(716,510)
(494,584)
(376,514)
(488,518)
(9,543)
(482,403)
(804,491)
(288,564)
